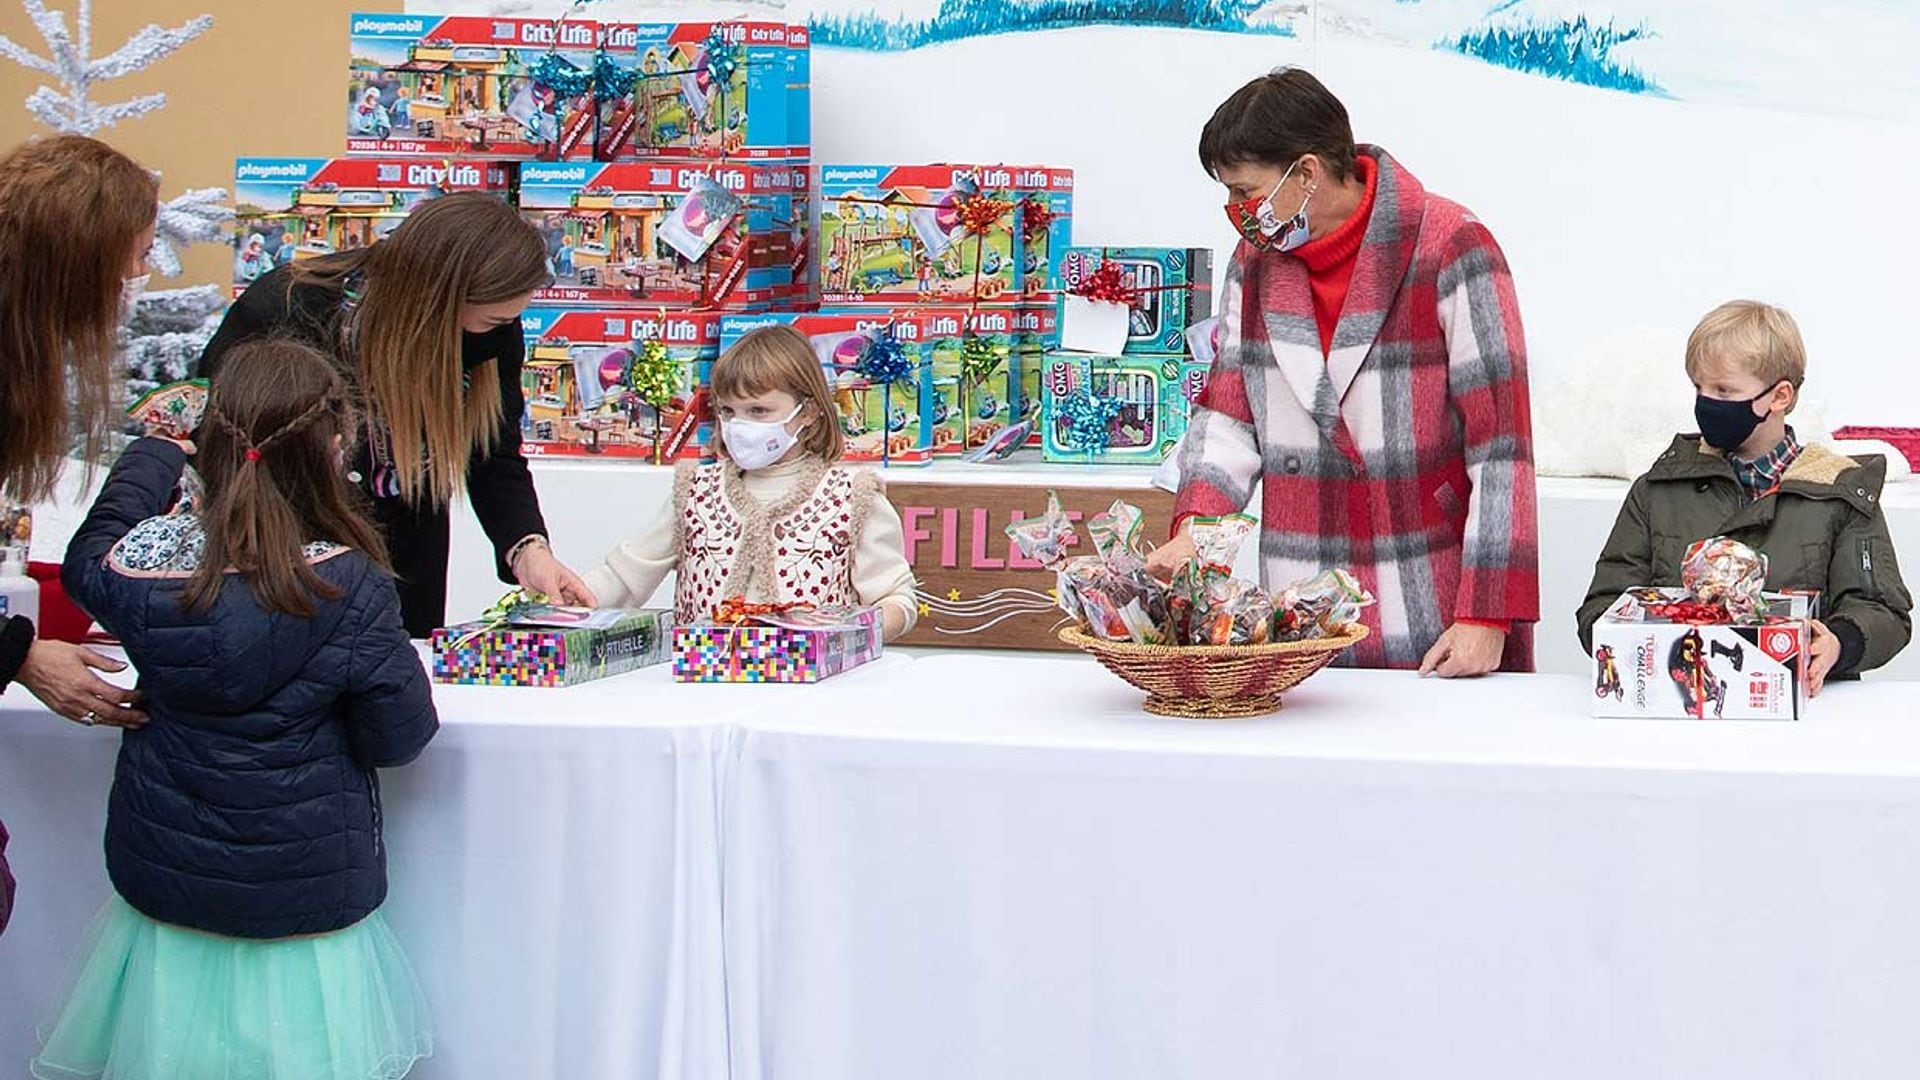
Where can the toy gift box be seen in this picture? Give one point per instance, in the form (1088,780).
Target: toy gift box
(551,646)
(1174,286)
(1116,409)
(795,647)
(1648,666)
(618,233)
(703,89)
(925,234)
(1044,228)
(287,209)
(1036,333)
(472,86)
(888,422)
(971,355)
(620,384)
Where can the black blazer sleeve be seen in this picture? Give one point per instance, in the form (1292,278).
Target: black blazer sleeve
(499,484)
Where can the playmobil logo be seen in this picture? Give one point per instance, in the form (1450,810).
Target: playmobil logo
(548,174)
(250,170)
(834,174)
(386,24)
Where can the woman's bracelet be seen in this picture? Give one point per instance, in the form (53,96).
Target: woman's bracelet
(526,544)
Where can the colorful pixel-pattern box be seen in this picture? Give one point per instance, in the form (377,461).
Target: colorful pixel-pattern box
(1175,286)
(603,227)
(288,209)
(606,642)
(585,375)
(798,647)
(471,86)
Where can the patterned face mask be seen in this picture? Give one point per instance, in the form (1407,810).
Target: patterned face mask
(1256,222)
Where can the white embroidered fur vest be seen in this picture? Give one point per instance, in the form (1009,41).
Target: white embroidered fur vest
(798,549)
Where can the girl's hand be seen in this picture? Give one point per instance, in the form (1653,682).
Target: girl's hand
(62,676)
(538,571)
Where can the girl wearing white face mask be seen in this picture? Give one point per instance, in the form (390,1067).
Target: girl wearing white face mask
(777,519)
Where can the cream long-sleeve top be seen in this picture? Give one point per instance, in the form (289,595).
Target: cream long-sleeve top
(881,575)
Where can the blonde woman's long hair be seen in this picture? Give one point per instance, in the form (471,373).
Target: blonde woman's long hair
(466,248)
(71,211)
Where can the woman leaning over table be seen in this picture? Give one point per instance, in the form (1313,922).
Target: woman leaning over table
(1371,377)
(76,221)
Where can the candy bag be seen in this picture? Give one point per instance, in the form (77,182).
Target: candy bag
(1324,605)
(1725,573)
(1206,604)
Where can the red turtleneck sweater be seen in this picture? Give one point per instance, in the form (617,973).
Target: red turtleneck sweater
(1331,258)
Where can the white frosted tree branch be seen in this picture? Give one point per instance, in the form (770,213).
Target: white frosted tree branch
(150,44)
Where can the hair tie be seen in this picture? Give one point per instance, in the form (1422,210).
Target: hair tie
(253,453)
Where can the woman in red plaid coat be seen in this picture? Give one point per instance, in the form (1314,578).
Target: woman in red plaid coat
(1371,378)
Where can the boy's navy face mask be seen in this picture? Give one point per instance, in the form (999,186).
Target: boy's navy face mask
(1726,424)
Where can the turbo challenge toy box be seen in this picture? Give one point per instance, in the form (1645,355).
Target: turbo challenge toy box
(1646,665)
(884,422)
(471,86)
(634,234)
(287,209)
(621,384)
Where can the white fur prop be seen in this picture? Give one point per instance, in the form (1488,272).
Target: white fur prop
(1613,410)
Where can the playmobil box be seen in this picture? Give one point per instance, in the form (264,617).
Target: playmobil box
(802,646)
(970,352)
(471,86)
(885,421)
(551,646)
(1645,664)
(1115,409)
(1044,229)
(802,268)
(1175,287)
(286,209)
(638,234)
(1036,333)
(799,86)
(617,383)
(707,89)
(916,234)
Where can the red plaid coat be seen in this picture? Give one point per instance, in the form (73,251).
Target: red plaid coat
(1406,454)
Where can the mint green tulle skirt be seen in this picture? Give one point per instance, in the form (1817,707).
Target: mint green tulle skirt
(151,1001)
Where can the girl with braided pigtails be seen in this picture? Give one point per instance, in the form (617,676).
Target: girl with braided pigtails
(243,840)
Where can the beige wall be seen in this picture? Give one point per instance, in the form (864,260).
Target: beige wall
(268,79)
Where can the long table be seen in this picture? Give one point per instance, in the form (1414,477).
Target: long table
(967,865)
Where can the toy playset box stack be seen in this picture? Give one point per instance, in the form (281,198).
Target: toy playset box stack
(1172,290)
(704,90)
(651,235)
(471,86)
(287,209)
(542,645)
(801,646)
(1116,409)
(1717,647)
(614,383)
(1044,227)
(971,354)
(877,369)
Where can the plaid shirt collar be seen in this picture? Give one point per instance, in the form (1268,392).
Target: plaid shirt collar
(1762,474)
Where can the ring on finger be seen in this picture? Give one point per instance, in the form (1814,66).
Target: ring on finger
(90,718)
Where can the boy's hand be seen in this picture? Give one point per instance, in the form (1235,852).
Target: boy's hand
(1464,651)
(1825,653)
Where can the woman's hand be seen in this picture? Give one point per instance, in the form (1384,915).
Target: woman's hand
(538,571)
(1464,651)
(62,676)
(1167,559)
(1825,652)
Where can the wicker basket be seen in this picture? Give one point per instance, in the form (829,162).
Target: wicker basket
(1213,682)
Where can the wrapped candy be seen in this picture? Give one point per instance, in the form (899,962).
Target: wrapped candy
(1207,605)
(1725,574)
(1110,591)
(1324,605)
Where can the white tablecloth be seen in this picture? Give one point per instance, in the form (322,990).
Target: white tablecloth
(968,865)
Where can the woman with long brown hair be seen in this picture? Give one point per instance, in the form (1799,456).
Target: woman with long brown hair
(76,220)
(425,328)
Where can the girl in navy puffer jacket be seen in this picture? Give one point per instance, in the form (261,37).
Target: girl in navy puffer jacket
(243,832)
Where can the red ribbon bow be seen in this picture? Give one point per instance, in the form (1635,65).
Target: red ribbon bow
(1036,218)
(735,610)
(1107,284)
(978,212)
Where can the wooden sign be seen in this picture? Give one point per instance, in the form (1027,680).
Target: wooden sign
(976,590)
